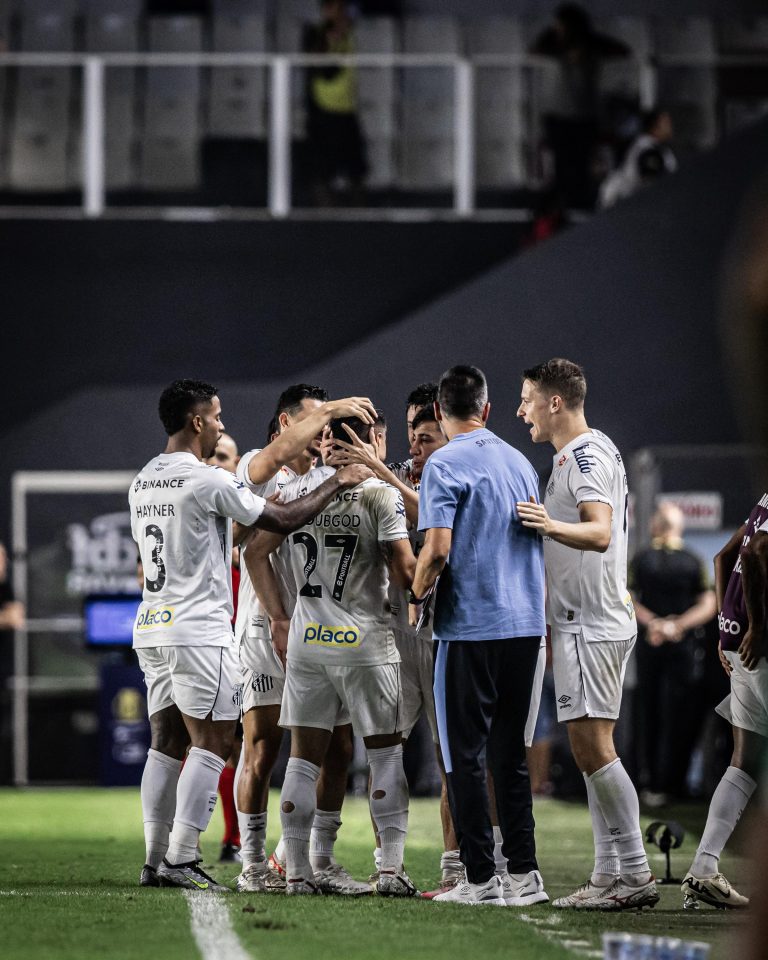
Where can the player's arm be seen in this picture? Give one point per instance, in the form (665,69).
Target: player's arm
(400,560)
(296,438)
(433,556)
(754,581)
(592,532)
(284,518)
(368,455)
(264,581)
(725,561)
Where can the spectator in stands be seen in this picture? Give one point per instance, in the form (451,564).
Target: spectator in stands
(673,598)
(11,618)
(572,126)
(334,138)
(649,157)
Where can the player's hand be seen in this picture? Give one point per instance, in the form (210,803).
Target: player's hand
(360,407)
(279,632)
(654,634)
(751,649)
(353,474)
(725,663)
(356,451)
(414,612)
(535,516)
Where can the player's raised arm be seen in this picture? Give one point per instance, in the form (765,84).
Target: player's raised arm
(368,455)
(284,518)
(298,436)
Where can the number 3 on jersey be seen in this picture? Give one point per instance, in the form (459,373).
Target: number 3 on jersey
(346,542)
(156,585)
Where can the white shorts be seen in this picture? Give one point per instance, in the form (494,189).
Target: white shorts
(746,706)
(325,696)
(589,675)
(538,682)
(261,689)
(198,680)
(417,676)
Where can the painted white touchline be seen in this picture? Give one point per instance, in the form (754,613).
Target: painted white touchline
(212,927)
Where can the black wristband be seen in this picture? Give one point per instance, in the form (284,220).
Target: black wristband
(412,598)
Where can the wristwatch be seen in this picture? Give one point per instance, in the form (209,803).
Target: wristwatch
(412,598)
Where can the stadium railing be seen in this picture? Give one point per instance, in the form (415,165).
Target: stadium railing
(94,68)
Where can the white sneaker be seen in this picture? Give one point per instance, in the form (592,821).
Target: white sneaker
(335,879)
(490,893)
(522,893)
(581,895)
(253,879)
(716,891)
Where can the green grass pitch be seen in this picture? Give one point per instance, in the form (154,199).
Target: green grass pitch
(71,859)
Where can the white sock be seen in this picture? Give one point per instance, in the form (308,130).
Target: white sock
(728,802)
(253,837)
(196,795)
(499,858)
(325,828)
(377,858)
(280,850)
(389,804)
(297,811)
(617,800)
(606,858)
(450,864)
(158,803)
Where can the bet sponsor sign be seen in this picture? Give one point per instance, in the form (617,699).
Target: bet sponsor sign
(703,510)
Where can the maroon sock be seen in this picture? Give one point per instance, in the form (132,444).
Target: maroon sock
(226,791)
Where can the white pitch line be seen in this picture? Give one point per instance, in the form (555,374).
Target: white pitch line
(212,927)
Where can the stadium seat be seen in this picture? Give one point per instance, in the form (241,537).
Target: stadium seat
(236,104)
(171,109)
(114,32)
(500,103)
(377,97)
(621,77)
(744,36)
(689,91)
(41,125)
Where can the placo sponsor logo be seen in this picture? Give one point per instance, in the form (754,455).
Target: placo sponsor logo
(729,626)
(155,617)
(325,636)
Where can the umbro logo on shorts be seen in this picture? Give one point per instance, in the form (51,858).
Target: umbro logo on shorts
(564,701)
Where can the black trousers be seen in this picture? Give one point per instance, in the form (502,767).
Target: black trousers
(482,697)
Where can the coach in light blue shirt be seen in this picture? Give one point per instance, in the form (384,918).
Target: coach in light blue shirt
(488,624)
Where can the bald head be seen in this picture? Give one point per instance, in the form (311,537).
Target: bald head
(225,455)
(668,522)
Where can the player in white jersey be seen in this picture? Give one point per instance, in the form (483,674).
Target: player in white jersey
(181,512)
(342,659)
(262,652)
(583,522)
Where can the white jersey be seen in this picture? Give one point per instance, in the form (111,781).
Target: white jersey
(251,623)
(398,598)
(587,590)
(342,614)
(180,519)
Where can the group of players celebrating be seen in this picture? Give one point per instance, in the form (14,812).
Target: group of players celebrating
(329,640)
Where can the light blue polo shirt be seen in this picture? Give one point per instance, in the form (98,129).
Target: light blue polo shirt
(493,584)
